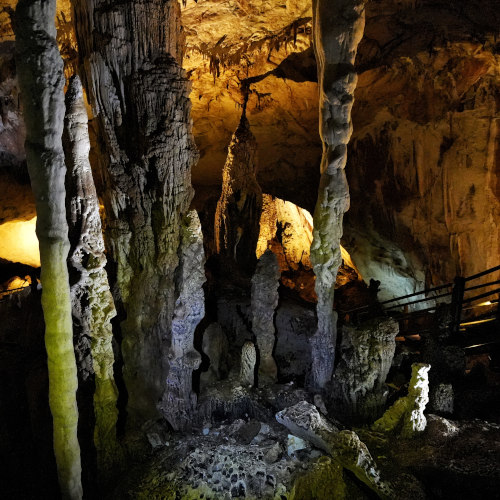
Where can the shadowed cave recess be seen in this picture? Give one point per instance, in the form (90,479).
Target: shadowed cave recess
(249,249)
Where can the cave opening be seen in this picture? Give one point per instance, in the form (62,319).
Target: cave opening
(249,249)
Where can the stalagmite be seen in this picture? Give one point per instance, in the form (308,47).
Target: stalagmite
(248,360)
(338,28)
(240,204)
(408,413)
(41,81)
(131,55)
(93,306)
(215,347)
(265,297)
(179,400)
(358,390)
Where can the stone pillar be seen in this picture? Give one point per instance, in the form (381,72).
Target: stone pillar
(178,400)
(265,297)
(92,303)
(130,54)
(237,216)
(247,367)
(338,28)
(41,82)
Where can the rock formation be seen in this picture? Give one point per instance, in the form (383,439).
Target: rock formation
(337,30)
(406,415)
(215,346)
(265,297)
(305,421)
(358,390)
(41,81)
(179,400)
(248,361)
(130,61)
(240,204)
(92,303)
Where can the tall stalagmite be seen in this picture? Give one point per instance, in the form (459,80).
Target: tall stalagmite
(240,204)
(338,28)
(41,81)
(93,306)
(130,62)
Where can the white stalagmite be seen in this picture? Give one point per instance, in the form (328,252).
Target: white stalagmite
(338,28)
(93,306)
(265,297)
(41,81)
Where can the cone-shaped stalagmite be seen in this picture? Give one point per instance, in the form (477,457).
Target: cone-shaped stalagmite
(240,204)
(41,81)
(130,53)
(338,28)
(93,306)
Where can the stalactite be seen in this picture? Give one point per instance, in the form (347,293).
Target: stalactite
(93,306)
(130,63)
(338,28)
(41,81)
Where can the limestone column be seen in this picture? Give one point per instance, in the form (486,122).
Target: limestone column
(41,81)
(130,54)
(338,28)
(92,303)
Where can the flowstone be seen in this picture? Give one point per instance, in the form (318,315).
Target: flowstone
(358,388)
(407,413)
(265,298)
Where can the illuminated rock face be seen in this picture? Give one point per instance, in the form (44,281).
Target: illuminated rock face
(139,94)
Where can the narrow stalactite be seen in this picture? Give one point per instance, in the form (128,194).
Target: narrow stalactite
(130,65)
(92,303)
(240,204)
(338,28)
(41,81)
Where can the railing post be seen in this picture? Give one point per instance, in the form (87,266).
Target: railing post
(456,303)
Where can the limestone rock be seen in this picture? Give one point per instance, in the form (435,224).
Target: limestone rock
(407,413)
(358,390)
(441,399)
(215,346)
(179,400)
(337,30)
(240,204)
(265,298)
(248,360)
(305,421)
(92,304)
(140,98)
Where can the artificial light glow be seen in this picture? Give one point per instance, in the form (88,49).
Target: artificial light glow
(18,242)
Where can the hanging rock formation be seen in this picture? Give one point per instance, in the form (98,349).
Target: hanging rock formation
(92,303)
(338,27)
(358,385)
(265,297)
(305,421)
(41,81)
(239,207)
(179,400)
(130,54)
(407,414)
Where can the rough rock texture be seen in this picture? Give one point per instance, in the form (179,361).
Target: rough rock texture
(248,361)
(92,303)
(265,298)
(130,54)
(337,30)
(305,421)
(215,346)
(240,204)
(406,415)
(179,400)
(41,81)
(441,399)
(358,390)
